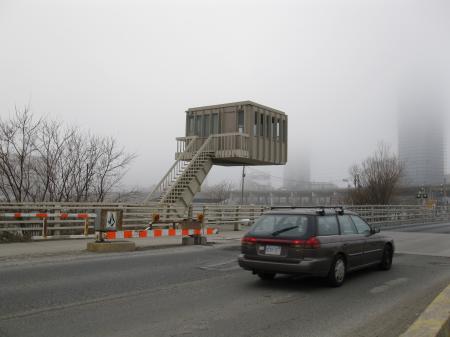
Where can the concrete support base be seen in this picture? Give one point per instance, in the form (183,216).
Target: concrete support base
(193,240)
(111,246)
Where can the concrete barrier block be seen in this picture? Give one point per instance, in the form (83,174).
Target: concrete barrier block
(193,240)
(187,240)
(111,246)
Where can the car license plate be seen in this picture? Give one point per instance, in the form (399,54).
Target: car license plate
(273,250)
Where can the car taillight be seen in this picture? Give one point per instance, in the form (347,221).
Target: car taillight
(312,242)
(248,240)
(297,243)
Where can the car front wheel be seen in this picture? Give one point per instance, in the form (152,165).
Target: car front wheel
(336,275)
(386,260)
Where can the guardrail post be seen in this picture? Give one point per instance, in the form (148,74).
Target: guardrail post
(205,215)
(237,224)
(190,212)
(97,225)
(86,227)
(44,227)
(124,209)
(58,224)
(203,220)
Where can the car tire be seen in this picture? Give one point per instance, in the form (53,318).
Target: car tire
(266,276)
(386,260)
(338,271)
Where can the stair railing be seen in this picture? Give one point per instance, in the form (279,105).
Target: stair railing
(173,173)
(200,155)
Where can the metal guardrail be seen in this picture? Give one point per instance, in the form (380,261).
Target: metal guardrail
(139,216)
(385,216)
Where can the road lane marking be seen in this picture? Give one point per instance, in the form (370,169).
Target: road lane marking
(222,266)
(387,285)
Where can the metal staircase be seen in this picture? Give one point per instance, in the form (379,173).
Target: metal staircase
(183,180)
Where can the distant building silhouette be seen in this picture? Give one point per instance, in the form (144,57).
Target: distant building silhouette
(297,172)
(421,137)
(258,181)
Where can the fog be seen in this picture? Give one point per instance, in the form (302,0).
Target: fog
(131,68)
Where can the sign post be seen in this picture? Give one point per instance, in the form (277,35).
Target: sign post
(108,221)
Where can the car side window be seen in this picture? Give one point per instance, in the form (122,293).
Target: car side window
(361,225)
(347,226)
(327,225)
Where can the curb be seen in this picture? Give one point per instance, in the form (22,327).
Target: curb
(110,247)
(434,320)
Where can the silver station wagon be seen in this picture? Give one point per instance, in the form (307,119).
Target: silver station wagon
(317,241)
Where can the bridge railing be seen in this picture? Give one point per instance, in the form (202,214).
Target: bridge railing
(139,216)
(135,216)
(394,215)
(231,214)
(16,217)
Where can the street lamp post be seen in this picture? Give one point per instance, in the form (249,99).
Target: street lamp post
(242,185)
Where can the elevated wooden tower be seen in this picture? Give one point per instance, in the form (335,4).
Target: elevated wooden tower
(233,134)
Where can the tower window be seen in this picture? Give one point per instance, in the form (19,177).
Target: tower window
(241,121)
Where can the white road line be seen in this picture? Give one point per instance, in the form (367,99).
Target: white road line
(387,285)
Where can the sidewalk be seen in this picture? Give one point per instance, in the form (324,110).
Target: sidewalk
(32,249)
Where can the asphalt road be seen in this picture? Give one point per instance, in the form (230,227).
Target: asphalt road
(200,291)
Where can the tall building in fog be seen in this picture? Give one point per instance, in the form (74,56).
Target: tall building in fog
(421,139)
(297,172)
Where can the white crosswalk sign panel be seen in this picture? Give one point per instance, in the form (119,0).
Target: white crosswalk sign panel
(111,220)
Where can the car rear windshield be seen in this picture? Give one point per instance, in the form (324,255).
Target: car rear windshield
(282,226)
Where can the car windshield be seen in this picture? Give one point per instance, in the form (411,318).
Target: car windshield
(289,226)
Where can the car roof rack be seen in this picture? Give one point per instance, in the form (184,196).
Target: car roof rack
(321,209)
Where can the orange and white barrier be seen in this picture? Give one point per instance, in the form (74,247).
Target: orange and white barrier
(61,216)
(156,233)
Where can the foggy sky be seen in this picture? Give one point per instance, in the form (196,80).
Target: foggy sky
(131,68)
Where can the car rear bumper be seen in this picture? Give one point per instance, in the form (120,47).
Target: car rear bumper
(313,267)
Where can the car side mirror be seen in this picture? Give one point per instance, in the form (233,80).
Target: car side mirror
(374,230)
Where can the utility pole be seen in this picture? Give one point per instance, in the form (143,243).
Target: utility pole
(242,185)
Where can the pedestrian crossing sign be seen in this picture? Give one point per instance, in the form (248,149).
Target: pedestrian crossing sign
(111,221)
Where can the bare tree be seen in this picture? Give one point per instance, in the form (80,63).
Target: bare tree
(111,169)
(376,178)
(17,151)
(134,194)
(42,160)
(220,192)
(53,140)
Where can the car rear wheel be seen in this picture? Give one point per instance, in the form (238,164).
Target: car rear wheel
(386,260)
(336,275)
(266,276)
